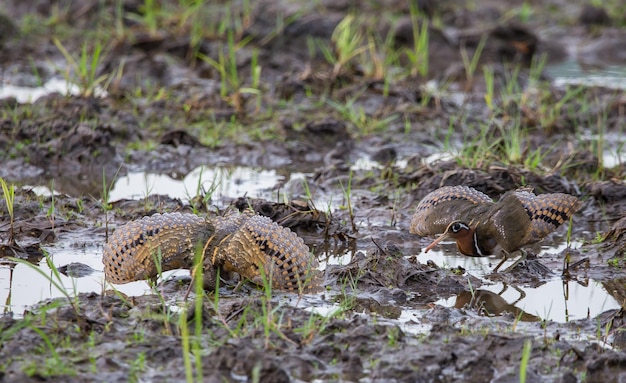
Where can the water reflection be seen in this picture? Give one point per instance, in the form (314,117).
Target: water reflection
(571,72)
(489,303)
(449,257)
(556,299)
(221,182)
(22,286)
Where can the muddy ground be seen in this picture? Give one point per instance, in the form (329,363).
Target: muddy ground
(164,113)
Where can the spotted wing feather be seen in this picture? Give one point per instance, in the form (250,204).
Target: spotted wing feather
(243,243)
(133,250)
(260,245)
(547,211)
(449,203)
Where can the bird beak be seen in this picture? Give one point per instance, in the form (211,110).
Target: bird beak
(436,241)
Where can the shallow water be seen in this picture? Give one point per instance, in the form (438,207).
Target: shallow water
(222,182)
(22,286)
(25,94)
(556,300)
(571,72)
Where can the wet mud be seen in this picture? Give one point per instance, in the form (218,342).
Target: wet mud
(378,318)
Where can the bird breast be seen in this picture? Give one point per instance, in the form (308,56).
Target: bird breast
(507,224)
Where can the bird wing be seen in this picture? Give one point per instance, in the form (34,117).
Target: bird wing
(449,203)
(547,211)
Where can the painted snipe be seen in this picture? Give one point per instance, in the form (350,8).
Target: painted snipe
(482,227)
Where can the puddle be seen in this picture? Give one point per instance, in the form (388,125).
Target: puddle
(609,76)
(219,181)
(480,266)
(29,94)
(320,307)
(22,286)
(614,150)
(326,259)
(573,73)
(556,300)
(223,182)
(410,321)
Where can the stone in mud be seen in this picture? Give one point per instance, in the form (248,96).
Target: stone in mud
(75,270)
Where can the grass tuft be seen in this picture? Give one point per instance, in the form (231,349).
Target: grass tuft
(8,192)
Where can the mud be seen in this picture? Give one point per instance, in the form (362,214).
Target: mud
(378,319)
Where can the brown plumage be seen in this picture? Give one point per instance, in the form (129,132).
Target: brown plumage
(243,243)
(254,243)
(135,249)
(482,227)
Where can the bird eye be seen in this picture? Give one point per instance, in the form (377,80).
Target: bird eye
(456,227)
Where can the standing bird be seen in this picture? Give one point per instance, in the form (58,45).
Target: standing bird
(482,227)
